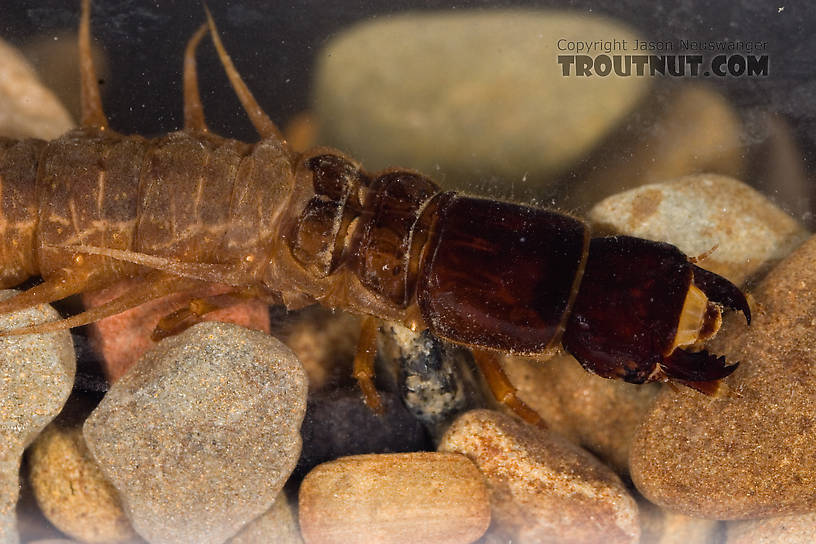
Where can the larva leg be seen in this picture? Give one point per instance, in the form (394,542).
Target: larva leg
(193,110)
(262,123)
(502,389)
(364,363)
(153,285)
(56,288)
(92,114)
(193,313)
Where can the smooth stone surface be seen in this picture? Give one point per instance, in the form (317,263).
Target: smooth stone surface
(469,94)
(677,131)
(55,56)
(122,338)
(394,498)
(27,108)
(697,213)
(36,377)
(201,434)
(659,526)
(598,414)
(748,453)
(338,423)
(277,526)
(542,487)
(780,530)
(71,490)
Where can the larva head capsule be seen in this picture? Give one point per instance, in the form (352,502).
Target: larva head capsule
(642,312)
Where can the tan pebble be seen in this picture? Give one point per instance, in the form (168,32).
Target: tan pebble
(458,95)
(54,541)
(676,132)
(799,529)
(542,487)
(704,212)
(27,108)
(394,498)
(659,526)
(749,453)
(598,414)
(277,525)
(201,434)
(71,490)
(55,56)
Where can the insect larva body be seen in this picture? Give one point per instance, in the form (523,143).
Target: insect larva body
(94,207)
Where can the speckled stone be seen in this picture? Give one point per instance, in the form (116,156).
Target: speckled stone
(338,423)
(122,338)
(278,525)
(800,529)
(71,491)
(598,414)
(469,94)
(36,376)
(697,213)
(200,436)
(27,108)
(542,487)
(394,498)
(748,453)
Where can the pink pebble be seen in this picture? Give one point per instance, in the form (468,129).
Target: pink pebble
(123,338)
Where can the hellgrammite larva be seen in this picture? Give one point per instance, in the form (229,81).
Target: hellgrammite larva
(191,208)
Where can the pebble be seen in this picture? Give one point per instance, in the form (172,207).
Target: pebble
(659,526)
(324,341)
(469,95)
(436,379)
(676,131)
(277,526)
(800,529)
(201,434)
(419,497)
(598,414)
(55,56)
(748,453)
(122,338)
(542,487)
(338,423)
(705,211)
(70,488)
(27,108)
(36,376)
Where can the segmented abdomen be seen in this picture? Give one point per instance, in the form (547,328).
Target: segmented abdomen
(189,197)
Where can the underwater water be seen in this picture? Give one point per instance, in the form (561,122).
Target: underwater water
(684,122)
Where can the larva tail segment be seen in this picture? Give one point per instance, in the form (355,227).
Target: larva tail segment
(193,110)
(93,116)
(151,286)
(260,120)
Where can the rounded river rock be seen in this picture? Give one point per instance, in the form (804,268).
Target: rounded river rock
(201,434)
(749,453)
